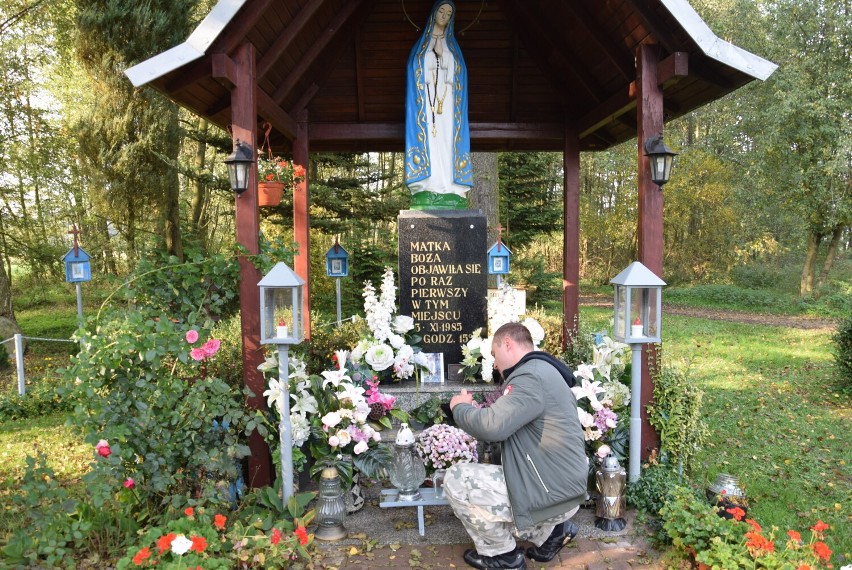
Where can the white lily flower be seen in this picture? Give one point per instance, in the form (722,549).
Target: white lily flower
(334,377)
(341,355)
(270,363)
(274,394)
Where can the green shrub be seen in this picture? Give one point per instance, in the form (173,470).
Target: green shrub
(843,352)
(690,523)
(326,337)
(137,388)
(4,357)
(653,489)
(40,399)
(676,415)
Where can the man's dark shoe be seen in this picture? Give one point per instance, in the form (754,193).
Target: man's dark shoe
(512,560)
(562,534)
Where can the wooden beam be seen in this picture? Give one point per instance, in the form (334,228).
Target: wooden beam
(650,122)
(280,120)
(571,236)
(231,37)
(305,99)
(396,131)
(301,218)
(619,59)
(661,33)
(244,127)
(286,37)
(224,69)
(672,69)
(669,71)
(316,49)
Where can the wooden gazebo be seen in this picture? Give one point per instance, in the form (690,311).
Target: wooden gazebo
(554,75)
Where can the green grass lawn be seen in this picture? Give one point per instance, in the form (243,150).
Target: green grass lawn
(775,418)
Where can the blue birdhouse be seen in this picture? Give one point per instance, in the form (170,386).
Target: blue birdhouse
(337,261)
(77,265)
(498,259)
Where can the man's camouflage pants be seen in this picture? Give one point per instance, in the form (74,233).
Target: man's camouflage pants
(477,493)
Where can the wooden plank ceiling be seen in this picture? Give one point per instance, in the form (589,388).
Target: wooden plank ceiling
(533,66)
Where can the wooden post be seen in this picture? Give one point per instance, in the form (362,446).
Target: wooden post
(244,126)
(571,236)
(649,110)
(301,218)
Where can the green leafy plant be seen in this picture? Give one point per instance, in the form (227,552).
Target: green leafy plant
(429,412)
(691,524)
(653,489)
(41,399)
(843,352)
(676,415)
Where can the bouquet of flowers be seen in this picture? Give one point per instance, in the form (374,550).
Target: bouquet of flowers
(477,362)
(276,169)
(603,400)
(392,350)
(441,446)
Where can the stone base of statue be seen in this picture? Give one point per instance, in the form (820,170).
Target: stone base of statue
(432,201)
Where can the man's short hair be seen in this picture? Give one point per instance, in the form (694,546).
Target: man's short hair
(517,332)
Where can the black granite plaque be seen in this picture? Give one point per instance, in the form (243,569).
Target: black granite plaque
(443,280)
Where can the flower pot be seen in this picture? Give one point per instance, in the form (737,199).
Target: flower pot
(269,193)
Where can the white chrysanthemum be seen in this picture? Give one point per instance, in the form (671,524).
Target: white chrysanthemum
(536,330)
(618,394)
(592,434)
(300,428)
(379,357)
(402,324)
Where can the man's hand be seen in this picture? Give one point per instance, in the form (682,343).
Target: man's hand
(461,398)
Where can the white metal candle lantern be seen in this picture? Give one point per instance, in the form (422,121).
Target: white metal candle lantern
(281,324)
(638,305)
(637,321)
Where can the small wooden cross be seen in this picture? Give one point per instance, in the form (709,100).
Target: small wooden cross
(76,232)
(499,229)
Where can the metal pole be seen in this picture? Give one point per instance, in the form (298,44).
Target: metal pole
(284,428)
(79,304)
(635,411)
(337,286)
(19,360)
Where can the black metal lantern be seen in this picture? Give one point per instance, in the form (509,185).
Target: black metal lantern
(661,158)
(239,165)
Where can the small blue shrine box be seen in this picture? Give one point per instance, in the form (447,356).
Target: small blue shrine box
(337,261)
(498,259)
(77,266)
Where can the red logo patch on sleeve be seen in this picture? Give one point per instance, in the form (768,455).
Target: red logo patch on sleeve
(507,391)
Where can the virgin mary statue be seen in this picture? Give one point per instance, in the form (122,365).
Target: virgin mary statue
(438,171)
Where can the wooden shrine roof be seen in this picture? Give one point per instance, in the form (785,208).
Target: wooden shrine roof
(532,66)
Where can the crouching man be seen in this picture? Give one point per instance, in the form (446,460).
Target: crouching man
(542,479)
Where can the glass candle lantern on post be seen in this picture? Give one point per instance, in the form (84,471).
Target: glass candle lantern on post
(281,324)
(637,320)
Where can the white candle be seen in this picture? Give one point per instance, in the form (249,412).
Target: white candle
(636,330)
(282,331)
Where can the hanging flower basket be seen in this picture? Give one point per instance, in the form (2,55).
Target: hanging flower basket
(269,193)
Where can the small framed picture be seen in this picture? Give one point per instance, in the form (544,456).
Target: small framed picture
(498,264)
(337,266)
(435,368)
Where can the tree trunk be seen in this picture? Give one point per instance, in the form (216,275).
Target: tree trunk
(199,196)
(806,286)
(485,194)
(830,255)
(5,291)
(107,251)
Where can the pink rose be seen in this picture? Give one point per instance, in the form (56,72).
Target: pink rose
(360,447)
(197,354)
(211,347)
(604,450)
(191,336)
(129,483)
(103,448)
(334,441)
